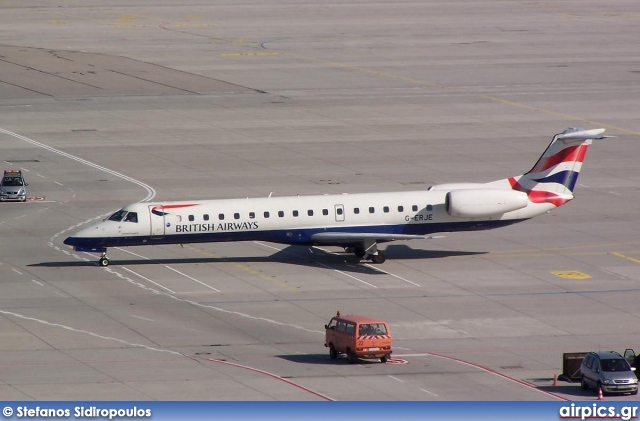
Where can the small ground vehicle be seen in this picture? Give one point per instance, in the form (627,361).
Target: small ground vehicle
(609,371)
(358,337)
(13,187)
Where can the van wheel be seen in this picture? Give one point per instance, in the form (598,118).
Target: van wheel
(383,358)
(583,384)
(333,354)
(351,357)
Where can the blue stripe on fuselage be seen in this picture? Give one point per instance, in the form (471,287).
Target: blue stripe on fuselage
(292,236)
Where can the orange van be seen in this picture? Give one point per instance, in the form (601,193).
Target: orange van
(358,337)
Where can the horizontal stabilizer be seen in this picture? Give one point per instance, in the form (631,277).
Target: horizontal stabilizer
(579,134)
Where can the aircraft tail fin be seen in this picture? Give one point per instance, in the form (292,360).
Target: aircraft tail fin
(553,178)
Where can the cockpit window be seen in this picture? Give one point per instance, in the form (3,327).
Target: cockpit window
(117,216)
(131,217)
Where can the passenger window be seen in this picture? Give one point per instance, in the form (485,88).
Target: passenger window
(332,324)
(205,217)
(429,208)
(131,217)
(221,216)
(252,215)
(341,326)
(414,208)
(400,208)
(191,218)
(339,211)
(266,214)
(236,216)
(281,214)
(356,210)
(372,209)
(588,361)
(325,212)
(310,212)
(385,209)
(295,213)
(351,328)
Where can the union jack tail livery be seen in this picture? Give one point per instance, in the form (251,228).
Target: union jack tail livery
(553,178)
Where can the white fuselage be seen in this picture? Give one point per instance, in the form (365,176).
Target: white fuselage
(293,219)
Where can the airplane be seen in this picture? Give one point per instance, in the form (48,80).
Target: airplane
(357,222)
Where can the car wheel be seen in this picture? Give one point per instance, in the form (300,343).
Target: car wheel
(333,354)
(351,356)
(583,384)
(383,358)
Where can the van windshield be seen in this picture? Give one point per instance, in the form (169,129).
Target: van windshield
(617,364)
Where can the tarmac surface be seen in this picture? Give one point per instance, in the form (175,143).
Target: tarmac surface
(115,102)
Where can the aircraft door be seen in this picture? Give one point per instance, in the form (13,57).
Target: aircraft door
(339,210)
(156,214)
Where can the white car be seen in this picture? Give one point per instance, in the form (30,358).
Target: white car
(13,187)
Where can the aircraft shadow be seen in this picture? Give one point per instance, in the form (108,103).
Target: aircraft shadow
(294,255)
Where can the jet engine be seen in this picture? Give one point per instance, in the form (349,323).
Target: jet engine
(473,203)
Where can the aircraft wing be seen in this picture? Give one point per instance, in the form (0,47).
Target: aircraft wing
(347,237)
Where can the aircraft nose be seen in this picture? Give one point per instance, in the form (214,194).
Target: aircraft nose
(85,237)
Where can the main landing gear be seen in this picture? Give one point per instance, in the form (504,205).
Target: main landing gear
(104,260)
(369,250)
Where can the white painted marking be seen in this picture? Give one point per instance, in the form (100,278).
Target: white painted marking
(373,267)
(193,279)
(142,318)
(149,280)
(40,175)
(170,268)
(321,264)
(391,274)
(426,391)
(485,369)
(260,243)
(347,275)
(17,271)
(396,379)
(58,183)
(151,193)
(39,283)
(132,344)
